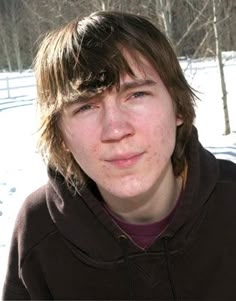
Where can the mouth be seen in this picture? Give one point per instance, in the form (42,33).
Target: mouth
(125,161)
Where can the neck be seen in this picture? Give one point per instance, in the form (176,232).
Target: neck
(151,206)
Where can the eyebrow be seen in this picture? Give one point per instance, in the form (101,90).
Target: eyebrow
(136,84)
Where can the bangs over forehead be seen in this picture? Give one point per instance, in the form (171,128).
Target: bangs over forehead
(80,66)
(96,73)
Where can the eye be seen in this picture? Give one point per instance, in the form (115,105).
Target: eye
(139,94)
(84,108)
(80,109)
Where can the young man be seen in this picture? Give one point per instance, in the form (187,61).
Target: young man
(135,208)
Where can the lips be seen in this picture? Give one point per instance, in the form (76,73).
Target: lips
(125,160)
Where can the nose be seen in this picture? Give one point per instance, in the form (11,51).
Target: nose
(116,124)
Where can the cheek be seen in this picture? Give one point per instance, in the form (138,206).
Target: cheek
(163,137)
(85,151)
(82,144)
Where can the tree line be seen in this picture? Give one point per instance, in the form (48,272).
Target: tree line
(196,28)
(189,24)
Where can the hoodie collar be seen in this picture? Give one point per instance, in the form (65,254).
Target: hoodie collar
(203,173)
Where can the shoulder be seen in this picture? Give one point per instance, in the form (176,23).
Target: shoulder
(227,171)
(225,189)
(32,226)
(33,222)
(34,209)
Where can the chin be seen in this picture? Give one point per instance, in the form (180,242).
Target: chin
(133,190)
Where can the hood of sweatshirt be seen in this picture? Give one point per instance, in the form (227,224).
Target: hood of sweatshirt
(96,239)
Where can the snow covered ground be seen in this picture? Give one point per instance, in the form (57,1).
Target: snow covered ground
(22,170)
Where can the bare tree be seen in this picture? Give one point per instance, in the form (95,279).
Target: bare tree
(14,22)
(5,45)
(187,23)
(163,9)
(220,65)
(194,21)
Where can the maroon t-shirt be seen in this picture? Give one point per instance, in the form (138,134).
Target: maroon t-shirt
(144,235)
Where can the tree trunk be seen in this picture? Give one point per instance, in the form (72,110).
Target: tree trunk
(221,68)
(5,47)
(15,36)
(163,9)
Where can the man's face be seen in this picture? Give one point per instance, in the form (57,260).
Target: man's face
(124,139)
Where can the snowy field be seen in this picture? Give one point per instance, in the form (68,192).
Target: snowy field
(22,170)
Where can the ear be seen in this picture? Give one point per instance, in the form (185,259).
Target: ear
(179,120)
(65,148)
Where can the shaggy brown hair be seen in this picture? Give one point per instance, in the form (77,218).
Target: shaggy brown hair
(84,58)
